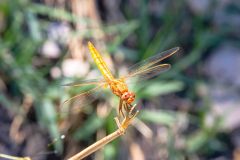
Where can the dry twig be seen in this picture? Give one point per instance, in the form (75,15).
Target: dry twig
(13,157)
(102,142)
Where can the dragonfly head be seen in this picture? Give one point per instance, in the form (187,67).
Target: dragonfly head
(128,97)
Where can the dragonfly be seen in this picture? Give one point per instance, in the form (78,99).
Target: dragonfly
(143,70)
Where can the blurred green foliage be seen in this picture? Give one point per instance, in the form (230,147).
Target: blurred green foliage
(24,31)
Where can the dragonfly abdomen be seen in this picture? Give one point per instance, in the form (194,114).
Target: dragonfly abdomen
(105,72)
(100,63)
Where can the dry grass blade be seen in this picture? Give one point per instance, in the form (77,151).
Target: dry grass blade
(96,146)
(102,142)
(14,158)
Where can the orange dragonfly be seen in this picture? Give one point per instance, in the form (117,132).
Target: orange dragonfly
(143,70)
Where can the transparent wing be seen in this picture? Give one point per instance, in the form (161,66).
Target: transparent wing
(82,96)
(85,83)
(84,93)
(149,72)
(151,67)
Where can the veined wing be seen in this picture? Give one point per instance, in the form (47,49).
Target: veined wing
(150,67)
(83,96)
(150,72)
(86,95)
(85,83)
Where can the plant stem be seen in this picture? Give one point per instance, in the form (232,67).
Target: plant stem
(99,144)
(14,158)
(102,142)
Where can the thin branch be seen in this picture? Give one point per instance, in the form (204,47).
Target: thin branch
(102,142)
(96,146)
(13,157)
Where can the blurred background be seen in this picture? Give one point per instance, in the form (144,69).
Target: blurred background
(190,112)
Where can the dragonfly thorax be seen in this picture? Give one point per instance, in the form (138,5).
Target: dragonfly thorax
(120,88)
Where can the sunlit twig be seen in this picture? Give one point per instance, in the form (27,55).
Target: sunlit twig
(102,142)
(13,157)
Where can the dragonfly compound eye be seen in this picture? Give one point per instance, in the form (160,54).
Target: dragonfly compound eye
(130,97)
(125,96)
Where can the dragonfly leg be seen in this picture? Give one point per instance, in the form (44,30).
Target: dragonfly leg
(132,108)
(126,107)
(120,111)
(129,117)
(120,126)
